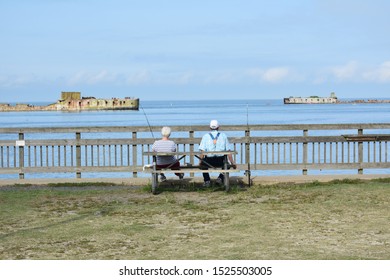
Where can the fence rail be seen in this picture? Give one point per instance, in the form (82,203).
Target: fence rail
(259,147)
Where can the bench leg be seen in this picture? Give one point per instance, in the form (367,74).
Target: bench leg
(154,176)
(226,174)
(154,183)
(226,181)
(248,176)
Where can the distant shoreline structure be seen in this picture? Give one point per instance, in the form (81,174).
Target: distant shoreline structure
(332,99)
(72,101)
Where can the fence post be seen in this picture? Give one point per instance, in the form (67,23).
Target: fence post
(191,135)
(305,153)
(78,154)
(134,137)
(21,155)
(360,151)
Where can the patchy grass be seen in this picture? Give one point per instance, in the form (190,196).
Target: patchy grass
(337,220)
(83,184)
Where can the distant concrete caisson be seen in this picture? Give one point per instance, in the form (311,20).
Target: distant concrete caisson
(72,101)
(311,100)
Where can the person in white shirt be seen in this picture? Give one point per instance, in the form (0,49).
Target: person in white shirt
(166,145)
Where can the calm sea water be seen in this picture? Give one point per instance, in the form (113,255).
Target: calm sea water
(229,112)
(201,112)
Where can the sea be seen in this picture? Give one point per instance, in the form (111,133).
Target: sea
(200,112)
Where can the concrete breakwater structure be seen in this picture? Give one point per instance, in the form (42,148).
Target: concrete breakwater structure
(332,99)
(311,100)
(260,148)
(364,101)
(72,101)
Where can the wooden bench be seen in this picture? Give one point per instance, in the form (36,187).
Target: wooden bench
(189,168)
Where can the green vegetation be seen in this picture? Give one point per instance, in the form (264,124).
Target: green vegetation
(345,219)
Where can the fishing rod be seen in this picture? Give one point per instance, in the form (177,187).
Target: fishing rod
(147,120)
(248,171)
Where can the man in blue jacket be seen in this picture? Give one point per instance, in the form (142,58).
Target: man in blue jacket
(214,141)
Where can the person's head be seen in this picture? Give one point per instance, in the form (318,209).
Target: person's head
(166,131)
(214,125)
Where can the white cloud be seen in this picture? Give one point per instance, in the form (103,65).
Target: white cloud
(221,77)
(103,76)
(345,72)
(351,72)
(277,74)
(14,81)
(379,74)
(273,75)
(355,72)
(140,77)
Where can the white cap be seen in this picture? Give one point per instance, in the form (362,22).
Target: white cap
(214,124)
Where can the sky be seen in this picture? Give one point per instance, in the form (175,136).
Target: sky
(194,49)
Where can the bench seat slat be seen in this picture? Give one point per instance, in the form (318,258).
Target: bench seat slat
(192,170)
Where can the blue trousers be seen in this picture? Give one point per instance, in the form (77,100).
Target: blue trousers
(213,161)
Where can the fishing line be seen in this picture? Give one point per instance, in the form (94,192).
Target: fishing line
(147,120)
(247,115)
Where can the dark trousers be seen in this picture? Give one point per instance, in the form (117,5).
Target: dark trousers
(213,161)
(174,166)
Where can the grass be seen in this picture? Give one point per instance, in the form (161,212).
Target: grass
(345,219)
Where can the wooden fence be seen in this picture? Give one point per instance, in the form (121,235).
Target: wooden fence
(302,147)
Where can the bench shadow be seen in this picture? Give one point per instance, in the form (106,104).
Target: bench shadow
(189,185)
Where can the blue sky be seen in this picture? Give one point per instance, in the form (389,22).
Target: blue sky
(194,49)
